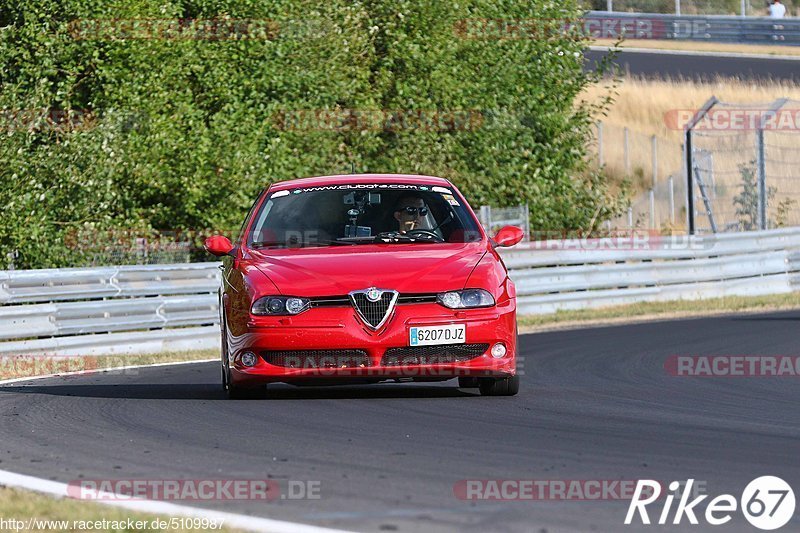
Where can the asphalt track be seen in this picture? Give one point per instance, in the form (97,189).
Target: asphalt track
(703,66)
(595,404)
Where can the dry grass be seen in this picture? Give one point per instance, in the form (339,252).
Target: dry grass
(24,505)
(23,366)
(764,49)
(641,104)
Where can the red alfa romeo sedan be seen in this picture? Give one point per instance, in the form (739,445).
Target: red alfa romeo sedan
(364,279)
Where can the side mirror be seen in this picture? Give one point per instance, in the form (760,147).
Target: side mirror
(218,245)
(508,236)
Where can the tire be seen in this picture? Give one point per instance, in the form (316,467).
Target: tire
(499,387)
(466,382)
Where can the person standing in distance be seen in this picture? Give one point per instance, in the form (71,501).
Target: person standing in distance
(777,10)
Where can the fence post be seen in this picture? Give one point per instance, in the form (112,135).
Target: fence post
(600,142)
(689,160)
(625,148)
(689,180)
(12,256)
(527,227)
(654,140)
(744,8)
(671,188)
(762,181)
(485,216)
(630,217)
(610,5)
(652,209)
(678,7)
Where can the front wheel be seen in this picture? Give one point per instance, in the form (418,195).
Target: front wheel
(499,387)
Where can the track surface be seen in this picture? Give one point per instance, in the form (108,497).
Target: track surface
(595,404)
(701,67)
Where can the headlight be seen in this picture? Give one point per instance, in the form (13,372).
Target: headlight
(280,305)
(466,299)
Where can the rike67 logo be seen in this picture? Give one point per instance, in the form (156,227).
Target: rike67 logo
(767,502)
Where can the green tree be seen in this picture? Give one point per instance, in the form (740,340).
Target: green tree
(178,134)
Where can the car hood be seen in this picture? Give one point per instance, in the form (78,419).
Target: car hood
(335,271)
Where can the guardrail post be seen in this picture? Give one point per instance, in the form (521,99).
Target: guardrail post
(678,7)
(610,6)
(630,217)
(744,8)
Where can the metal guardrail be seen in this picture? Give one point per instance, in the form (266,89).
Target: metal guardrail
(171,307)
(560,275)
(85,311)
(708,28)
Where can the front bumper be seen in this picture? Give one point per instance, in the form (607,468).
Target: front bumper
(339,328)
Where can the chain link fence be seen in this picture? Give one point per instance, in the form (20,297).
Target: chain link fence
(653,166)
(746,166)
(743,165)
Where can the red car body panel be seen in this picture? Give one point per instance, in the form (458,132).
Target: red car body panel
(317,272)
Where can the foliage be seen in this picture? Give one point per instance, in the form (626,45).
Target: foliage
(145,136)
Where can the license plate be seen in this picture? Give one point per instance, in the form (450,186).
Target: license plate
(432,335)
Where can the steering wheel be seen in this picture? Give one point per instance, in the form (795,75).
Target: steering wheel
(426,233)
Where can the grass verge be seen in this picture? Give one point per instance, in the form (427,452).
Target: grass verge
(651,311)
(23,366)
(653,44)
(64,514)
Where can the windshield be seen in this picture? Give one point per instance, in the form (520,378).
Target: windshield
(359,214)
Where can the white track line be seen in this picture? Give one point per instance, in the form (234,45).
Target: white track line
(98,370)
(706,53)
(237,521)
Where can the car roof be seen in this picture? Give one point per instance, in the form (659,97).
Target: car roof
(342,179)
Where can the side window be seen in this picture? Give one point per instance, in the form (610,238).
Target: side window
(258,223)
(242,236)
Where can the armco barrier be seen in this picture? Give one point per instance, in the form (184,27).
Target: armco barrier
(126,309)
(699,28)
(137,309)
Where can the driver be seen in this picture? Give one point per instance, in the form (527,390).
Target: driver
(410,212)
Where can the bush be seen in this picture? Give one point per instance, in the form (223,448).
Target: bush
(151,135)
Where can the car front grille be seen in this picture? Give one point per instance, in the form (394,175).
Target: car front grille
(373,313)
(431,355)
(318,358)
